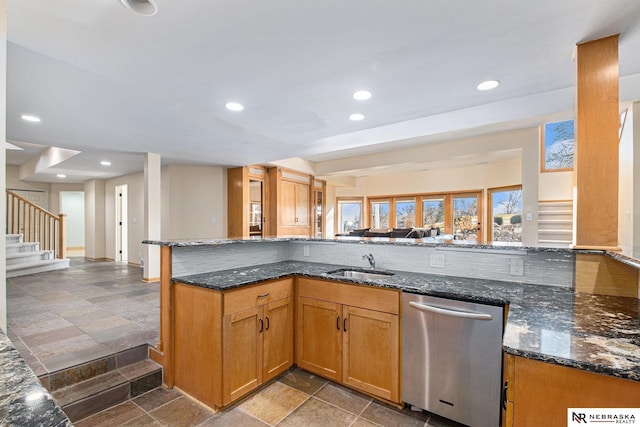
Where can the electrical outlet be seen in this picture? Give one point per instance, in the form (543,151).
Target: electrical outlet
(436,260)
(516,267)
(305,250)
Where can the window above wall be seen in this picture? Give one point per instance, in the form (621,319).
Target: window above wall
(557,146)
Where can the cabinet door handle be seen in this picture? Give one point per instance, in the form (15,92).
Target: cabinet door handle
(268,322)
(261,325)
(504,395)
(338,322)
(344,324)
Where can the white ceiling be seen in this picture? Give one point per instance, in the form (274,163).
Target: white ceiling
(105,80)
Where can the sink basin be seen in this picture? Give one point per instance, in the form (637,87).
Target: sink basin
(361,274)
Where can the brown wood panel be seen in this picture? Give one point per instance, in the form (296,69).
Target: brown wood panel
(237,202)
(242,356)
(601,275)
(278,338)
(543,392)
(196,328)
(596,155)
(380,299)
(166,307)
(287,203)
(319,337)
(302,205)
(247,297)
(376,335)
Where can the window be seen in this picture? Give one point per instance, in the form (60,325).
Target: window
(380,213)
(505,211)
(557,146)
(349,215)
(405,213)
(465,217)
(433,212)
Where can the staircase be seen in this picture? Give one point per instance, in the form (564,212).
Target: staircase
(87,389)
(555,223)
(26,257)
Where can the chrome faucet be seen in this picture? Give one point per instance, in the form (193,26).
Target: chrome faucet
(371,259)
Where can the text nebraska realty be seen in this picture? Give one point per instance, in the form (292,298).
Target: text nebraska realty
(611,418)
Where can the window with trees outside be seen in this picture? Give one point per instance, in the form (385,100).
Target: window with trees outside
(557,146)
(405,212)
(380,213)
(466,225)
(505,209)
(349,215)
(433,212)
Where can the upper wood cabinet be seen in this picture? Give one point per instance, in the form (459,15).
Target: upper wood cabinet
(271,202)
(289,200)
(246,202)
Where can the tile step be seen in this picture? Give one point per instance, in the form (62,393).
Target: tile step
(23,269)
(103,391)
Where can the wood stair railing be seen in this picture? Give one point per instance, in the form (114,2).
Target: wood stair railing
(36,224)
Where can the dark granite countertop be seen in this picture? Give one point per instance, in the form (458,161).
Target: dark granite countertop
(552,324)
(428,242)
(23,400)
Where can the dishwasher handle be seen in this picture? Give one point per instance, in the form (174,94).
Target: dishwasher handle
(452,313)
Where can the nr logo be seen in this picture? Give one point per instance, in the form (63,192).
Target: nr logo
(579,417)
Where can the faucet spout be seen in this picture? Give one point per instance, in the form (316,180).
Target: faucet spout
(371,259)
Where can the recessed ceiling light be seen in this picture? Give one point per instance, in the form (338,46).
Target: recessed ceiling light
(141,7)
(488,85)
(362,95)
(234,106)
(356,117)
(105,163)
(61,175)
(30,118)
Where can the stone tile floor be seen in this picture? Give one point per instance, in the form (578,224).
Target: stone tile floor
(63,318)
(296,398)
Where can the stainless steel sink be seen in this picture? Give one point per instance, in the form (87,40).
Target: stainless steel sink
(361,274)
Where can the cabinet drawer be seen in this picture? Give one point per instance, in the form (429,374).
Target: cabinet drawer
(379,299)
(256,295)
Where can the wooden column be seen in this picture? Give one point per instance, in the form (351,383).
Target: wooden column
(238,203)
(596,155)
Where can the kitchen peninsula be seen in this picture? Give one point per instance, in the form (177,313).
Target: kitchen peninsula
(571,336)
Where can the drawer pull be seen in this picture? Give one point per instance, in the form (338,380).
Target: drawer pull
(266,294)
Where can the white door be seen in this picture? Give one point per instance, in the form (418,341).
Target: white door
(121,223)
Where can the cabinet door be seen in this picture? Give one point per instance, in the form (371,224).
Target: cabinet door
(319,339)
(302,204)
(278,338)
(371,352)
(287,206)
(242,355)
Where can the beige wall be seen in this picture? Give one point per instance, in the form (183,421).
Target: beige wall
(53,189)
(194,202)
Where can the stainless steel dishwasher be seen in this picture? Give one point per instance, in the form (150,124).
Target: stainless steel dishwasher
(452,358)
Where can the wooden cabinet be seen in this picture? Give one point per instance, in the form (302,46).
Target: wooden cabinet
(228,343)
(294,204)
(257,336)
(289,202)
(350,334)
(539,393)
